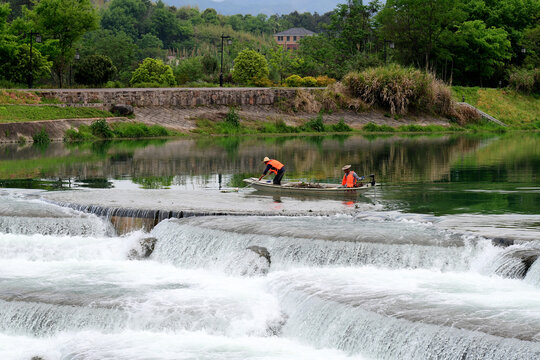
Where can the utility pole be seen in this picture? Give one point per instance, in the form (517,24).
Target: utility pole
(30,64)
(229,42)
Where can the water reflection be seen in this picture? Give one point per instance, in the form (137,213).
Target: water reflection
(462,166)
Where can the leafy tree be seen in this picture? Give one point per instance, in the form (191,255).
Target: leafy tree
(281,61)
(153,71)
(167,27)
(531,44)
(150,46)
(188,70)
(249,66)
(95,70)
(67,21)
(210,64)
(117,46)
(479,51)
(128,16)
(416,27)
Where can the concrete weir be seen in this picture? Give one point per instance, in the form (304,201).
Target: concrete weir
(132,209)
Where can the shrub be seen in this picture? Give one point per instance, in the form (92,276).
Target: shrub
(263,82)
(371,127)
(309,81)
(397,88)
(249,66)
(340,127)
(293,81)
(209,64)
(95,70)
(153,71)
(232,117)
(323,81)
(114,84)
(191,69)
(134,130)
(306,101)
(524,80)
(101,129)
(83,134)
(41,138)
(314,125)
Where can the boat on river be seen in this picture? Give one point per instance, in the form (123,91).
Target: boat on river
(303,188)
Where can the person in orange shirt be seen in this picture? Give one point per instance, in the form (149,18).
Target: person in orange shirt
(350,179)
(273,166)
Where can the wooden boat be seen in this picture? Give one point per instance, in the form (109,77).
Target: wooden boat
(302,188)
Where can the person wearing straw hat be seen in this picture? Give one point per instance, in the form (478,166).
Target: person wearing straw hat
(273,166)
(350,179)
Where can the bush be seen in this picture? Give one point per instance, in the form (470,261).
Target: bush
(188,70)
(249,66)
(83,134)
(340,127)
(524,80)
(293,81)
(209,64)
(263,82)
(232,117)
(95,70)
(41,138)
(314,125)
(371,127)
(309,81)
(323,81)
(153,71)
(114,84)
(101,129)
(397,89)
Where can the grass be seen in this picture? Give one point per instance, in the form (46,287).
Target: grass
(22,113)
(99,130)
(509,106)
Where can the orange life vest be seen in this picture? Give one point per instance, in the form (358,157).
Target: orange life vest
(275,166)
(349,180)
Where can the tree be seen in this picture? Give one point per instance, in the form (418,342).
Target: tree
(249,66)
(150,46)
(168,28)
(531,44)
(479,51)
(95,70)
(280,60)
(153,71)
(128,16)
(66,21)
(416,26)
(119,47)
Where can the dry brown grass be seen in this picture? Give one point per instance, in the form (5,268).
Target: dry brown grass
(464,114)
(305,101)
(400,89)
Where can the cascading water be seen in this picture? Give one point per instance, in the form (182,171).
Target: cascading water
(338,287)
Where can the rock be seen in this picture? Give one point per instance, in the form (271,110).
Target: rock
(262,252)
(145,249)
(122,109)
(502,242)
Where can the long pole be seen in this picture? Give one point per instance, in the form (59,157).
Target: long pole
(221,71)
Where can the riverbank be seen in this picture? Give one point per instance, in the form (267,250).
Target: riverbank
(259,111)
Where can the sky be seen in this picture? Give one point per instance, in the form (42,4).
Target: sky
(269,7)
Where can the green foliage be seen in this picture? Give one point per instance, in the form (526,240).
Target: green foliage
(314,125)
(67,21)
(209,64)
(22,113)
(101,129)
(133,130)
(95,70)
(277,127)
(82,134)
(153,71)
(340,127)
(249,66)
(41,138)
(525,80)
(232,118)
(309,81)
(188,70)
(371,127)
(293,81)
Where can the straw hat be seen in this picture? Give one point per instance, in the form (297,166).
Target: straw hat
(346,167)
(266,158)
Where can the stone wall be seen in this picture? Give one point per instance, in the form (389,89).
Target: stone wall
(175,97)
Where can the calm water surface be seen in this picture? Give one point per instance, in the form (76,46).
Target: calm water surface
(438,175)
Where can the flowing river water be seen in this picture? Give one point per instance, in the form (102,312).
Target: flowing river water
(439,262)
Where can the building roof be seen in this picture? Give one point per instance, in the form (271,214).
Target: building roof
(295,32)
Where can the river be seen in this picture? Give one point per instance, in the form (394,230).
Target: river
(440,261)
